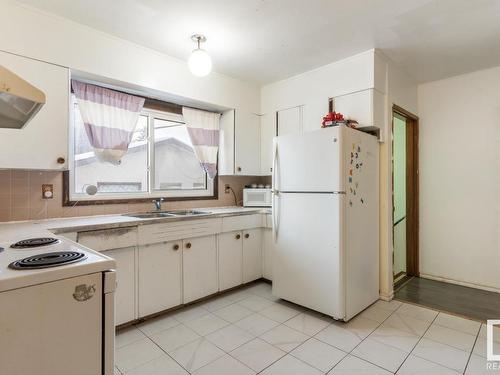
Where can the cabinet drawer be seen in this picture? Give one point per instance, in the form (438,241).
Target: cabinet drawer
(242,222)
(178,230)
(107,239)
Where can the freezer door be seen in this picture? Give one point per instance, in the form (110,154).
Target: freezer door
(53,328)
(307,263)
(309,162)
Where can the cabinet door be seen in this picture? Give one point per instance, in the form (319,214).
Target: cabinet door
(247,143)
(45,137)
(267,133)
(252,260)
(290,121)
(160,267)
(267,253)
(125,283)
(199,267)
(230,259)
(226,144)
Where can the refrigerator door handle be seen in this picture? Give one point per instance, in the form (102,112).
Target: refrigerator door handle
(275,214)
(275,159)
(275,194)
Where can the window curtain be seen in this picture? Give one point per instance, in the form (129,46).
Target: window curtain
(110,118)
(203,129)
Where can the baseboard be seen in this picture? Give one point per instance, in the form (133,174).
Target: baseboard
(461,283)
(386,296)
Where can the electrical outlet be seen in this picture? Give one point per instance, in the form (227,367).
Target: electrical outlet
(47,191)
(227,188)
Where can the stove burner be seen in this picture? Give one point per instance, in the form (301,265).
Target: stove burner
(48,260)
(34,242)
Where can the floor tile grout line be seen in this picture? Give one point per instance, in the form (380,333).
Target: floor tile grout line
(200,336)
(258,372)
(274,346)
(472,350)
(414,346)
(379,325)
(310,338)
(420,339)
(173,359)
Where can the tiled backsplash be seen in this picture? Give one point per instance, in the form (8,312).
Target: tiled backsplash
(21,197)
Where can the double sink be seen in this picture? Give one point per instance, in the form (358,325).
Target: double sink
(177,213)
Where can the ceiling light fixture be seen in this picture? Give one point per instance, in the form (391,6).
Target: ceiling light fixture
(200,62)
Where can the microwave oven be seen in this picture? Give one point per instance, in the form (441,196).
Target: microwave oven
(257,198)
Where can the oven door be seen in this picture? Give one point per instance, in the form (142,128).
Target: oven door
(54,328)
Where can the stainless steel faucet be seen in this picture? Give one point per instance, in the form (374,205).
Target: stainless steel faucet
(157,203)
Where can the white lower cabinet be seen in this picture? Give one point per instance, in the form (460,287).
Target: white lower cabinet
(199,267)
(160,277)
(252,254)
(267,253)
(125,283)
(230,259)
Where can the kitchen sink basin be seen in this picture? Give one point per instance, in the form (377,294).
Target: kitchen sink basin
(159,214)
(187,213)
(149,215)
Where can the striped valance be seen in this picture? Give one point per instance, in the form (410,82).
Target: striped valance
(110,118)
(203,129)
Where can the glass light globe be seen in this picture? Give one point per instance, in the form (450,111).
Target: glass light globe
(200,63)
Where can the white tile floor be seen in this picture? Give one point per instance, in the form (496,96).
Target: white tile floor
(249,331)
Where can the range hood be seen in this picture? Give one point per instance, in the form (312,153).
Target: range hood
(19,100)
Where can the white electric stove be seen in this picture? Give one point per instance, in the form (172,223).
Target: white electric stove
(56,308)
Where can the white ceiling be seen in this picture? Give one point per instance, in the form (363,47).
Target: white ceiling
(267,40)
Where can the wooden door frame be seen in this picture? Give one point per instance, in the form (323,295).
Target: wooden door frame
(412,189)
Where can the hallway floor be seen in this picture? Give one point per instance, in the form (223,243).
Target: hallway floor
(249,331)
(455,299)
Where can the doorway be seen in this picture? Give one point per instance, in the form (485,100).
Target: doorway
(404,195)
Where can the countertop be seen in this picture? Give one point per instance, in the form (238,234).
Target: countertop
(11,232)
(18,230)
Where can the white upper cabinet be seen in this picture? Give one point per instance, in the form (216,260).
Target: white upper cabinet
(267,133)
(239,147)
(290,121)
(226,144)
(366,107)
(247,143)
(43,142)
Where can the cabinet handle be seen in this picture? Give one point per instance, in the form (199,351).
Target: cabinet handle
(188,245)
(61,160)
(238,236)
(176,247)
(239,169)
(247,235)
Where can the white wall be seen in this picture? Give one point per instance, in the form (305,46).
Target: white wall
(312,89)
(32,33)
(400,89)
(460,178)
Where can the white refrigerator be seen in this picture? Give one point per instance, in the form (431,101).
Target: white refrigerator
(326,220)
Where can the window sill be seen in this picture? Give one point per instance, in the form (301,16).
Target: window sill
(68,202)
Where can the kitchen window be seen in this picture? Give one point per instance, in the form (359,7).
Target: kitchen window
(160,162)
